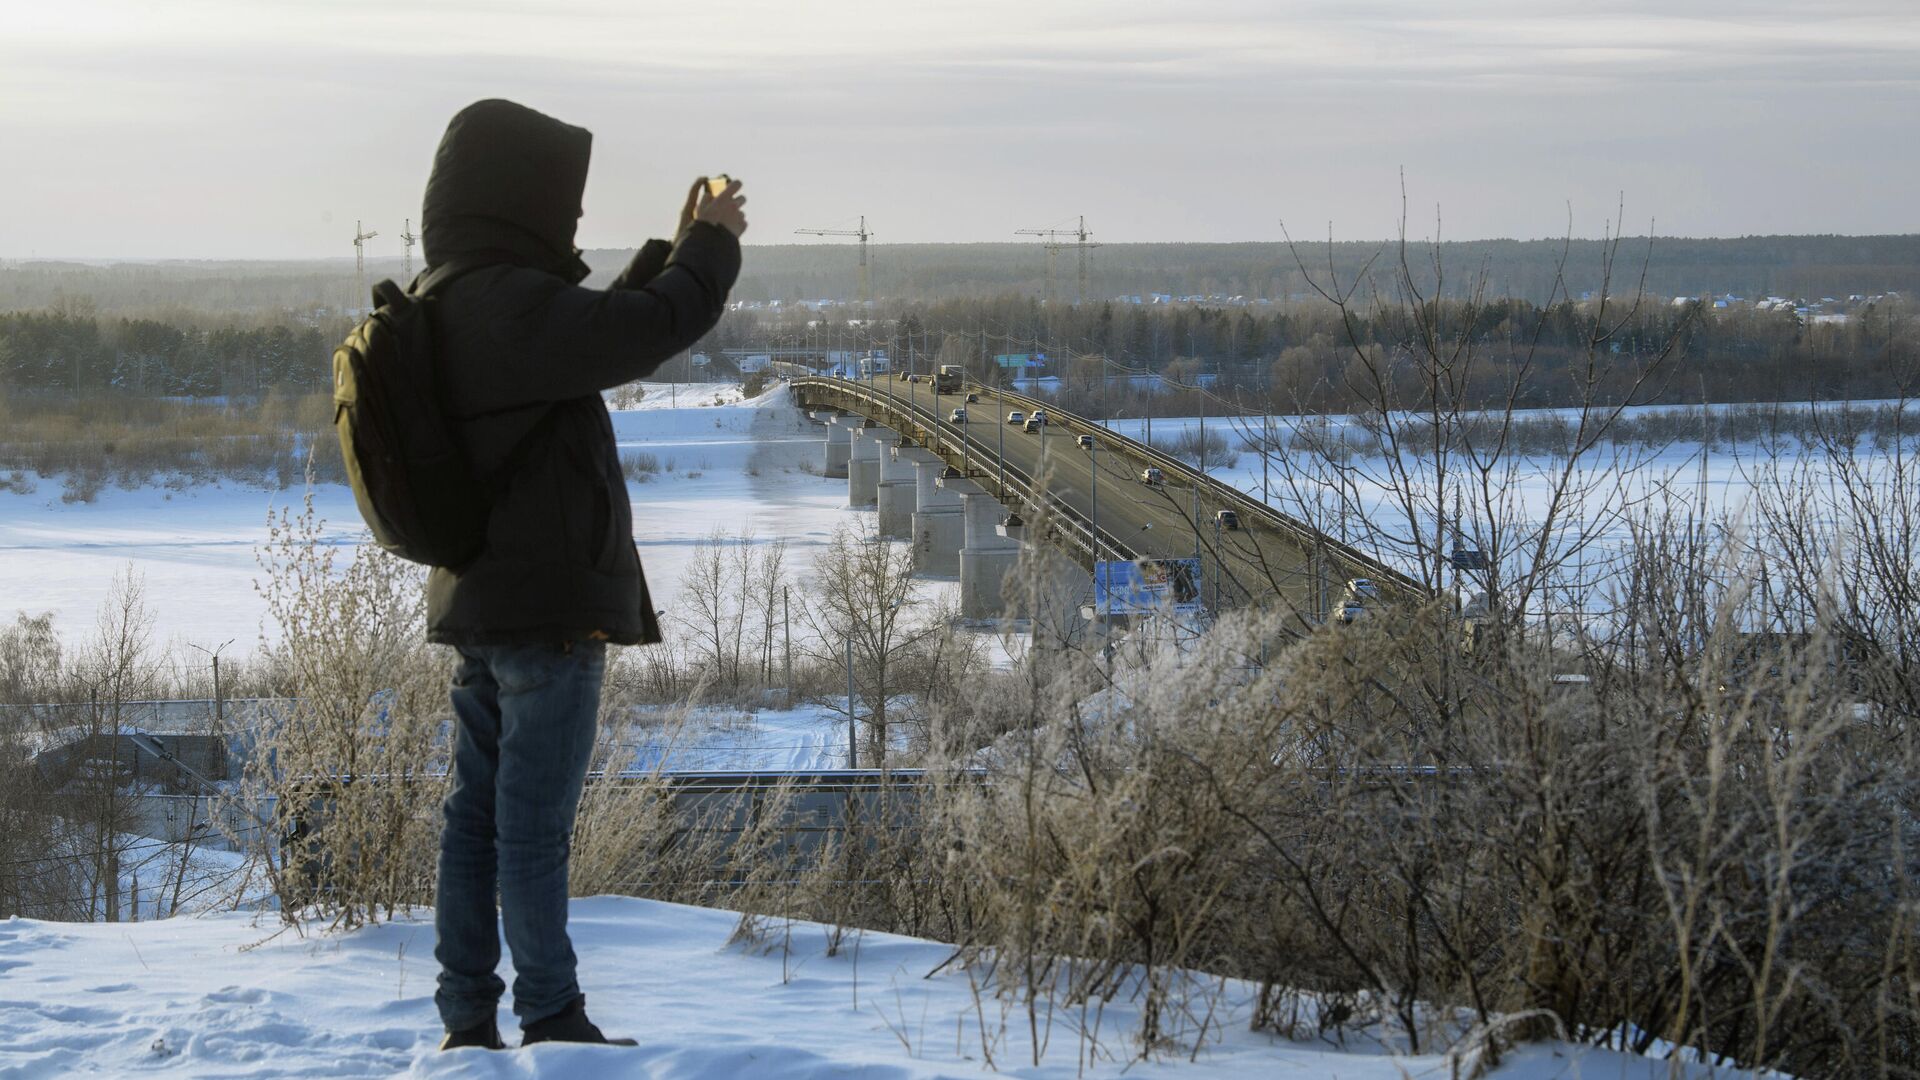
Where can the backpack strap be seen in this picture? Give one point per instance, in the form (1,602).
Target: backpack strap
(439,277)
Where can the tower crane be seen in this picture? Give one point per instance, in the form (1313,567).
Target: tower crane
(866,278)
(360,237)
(407,240)
(1054,240)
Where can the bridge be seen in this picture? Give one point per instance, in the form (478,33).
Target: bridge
(968,495)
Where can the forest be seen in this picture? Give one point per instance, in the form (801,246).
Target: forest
(1288,357)
(1793,266)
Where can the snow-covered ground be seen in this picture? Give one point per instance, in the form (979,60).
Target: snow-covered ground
(1613,489)
(232,996)
(732,468)
(716,740)
(727,466)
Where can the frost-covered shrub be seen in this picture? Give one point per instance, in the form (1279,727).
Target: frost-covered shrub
(349,781)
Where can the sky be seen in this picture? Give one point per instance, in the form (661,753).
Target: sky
(267,128)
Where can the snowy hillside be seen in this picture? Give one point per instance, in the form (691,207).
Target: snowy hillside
(226,996)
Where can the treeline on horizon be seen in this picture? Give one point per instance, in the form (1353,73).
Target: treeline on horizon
(1288,357)
(1790,266)
(1309,357)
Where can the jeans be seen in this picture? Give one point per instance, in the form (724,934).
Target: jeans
(526,718)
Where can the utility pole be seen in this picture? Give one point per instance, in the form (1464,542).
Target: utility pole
(866,277)
(786,624)
(407,240)
(853,751)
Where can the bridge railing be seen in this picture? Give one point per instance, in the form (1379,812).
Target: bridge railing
(1351,561)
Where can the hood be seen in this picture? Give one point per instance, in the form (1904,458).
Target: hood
(506,186)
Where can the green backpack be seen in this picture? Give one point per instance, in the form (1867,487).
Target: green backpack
(411,478)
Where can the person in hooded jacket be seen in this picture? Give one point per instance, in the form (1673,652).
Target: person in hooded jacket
(526,352)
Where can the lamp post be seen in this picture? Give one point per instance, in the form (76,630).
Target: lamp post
(1219,564)
(219,702)
(1093,458)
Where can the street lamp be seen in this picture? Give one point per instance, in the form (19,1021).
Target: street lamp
(219,703)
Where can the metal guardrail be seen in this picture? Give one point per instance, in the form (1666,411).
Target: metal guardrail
(1306,536)
(1351,561)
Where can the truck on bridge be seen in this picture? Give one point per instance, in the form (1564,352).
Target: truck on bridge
(949,379)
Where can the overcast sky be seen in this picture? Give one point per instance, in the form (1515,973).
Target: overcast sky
(265,128)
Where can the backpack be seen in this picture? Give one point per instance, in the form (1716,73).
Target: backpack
(411,478)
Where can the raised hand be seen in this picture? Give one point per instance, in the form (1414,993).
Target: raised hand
(723,209)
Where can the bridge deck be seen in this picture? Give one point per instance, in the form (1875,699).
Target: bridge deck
(1100,494)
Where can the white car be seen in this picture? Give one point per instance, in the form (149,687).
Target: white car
(1016,417)
(1363,589)
(958,416)
(1039,416)
(1152,476)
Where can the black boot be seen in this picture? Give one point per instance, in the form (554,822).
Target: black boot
(485,1036)
(568,1025)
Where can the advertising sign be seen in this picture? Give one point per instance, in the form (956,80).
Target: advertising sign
(1145,586)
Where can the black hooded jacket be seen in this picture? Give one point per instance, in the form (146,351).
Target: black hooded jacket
(526,352)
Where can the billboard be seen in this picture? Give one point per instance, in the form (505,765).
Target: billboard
(1144,586)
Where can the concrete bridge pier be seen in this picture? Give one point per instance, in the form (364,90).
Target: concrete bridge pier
(863,465)
(896,492)
(1062,594)
(939,520)
(839,444)
(987,558)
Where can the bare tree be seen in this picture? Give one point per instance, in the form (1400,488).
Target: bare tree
(863,610)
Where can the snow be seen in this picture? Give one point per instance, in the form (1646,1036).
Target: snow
(736,468)
(721,740)
(232,995)
(1613,487)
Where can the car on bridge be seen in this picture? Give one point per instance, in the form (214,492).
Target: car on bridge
(1039,416)
(1033,423)
(1016,417)
(1153,477)
(972,397)
(1227,520)
(957,416)
(1085,442)
(1362,589)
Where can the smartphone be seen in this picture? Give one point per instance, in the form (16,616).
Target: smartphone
(717,183)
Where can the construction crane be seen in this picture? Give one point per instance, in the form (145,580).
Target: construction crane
(1054,240)
(360,238)
(866,279)
(407,240)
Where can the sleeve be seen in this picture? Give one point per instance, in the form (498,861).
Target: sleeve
(593,340)
(645,266)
